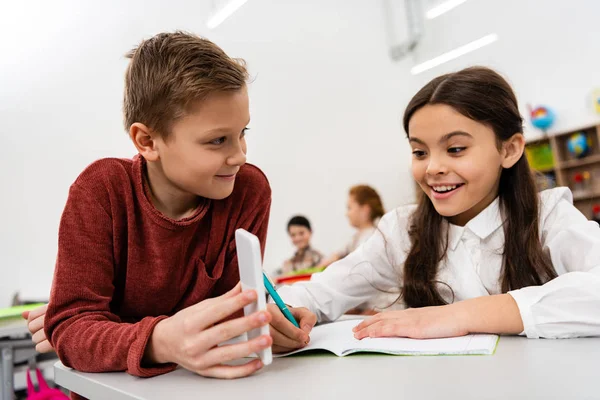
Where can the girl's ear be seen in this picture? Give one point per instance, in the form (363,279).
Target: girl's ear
(366,211)
(512,150)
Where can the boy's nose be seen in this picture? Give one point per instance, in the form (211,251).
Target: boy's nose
(238,158)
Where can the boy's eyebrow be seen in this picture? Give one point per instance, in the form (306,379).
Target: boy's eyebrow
(443,139)
(221,130)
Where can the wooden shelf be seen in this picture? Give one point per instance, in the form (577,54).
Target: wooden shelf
(538,140)
(572,129)
(565,166)
(546,170)
(592,194)
(580,162)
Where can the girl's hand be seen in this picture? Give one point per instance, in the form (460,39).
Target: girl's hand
(286,337)
(190,337)
(416,323)
(35,324)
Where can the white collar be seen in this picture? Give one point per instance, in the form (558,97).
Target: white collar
(483,225)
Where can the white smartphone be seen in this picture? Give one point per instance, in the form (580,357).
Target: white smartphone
(251,276)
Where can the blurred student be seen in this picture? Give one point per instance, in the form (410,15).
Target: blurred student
(300,232)
(365,208)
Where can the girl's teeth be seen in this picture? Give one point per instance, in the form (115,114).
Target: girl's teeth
(444,188)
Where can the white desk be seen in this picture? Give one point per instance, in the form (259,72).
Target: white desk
(521,369)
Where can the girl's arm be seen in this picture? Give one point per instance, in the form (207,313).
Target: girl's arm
(567,306)
(330,259)
(490,314)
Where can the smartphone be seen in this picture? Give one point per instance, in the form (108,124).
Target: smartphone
(250,267)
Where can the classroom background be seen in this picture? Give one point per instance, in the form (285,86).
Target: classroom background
(330,82)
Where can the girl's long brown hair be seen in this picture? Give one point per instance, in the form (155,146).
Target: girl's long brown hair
(483,96)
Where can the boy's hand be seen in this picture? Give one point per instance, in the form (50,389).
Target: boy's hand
(190,337)
(286,337)
(35,324)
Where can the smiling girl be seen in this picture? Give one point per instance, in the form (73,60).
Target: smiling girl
(482,251)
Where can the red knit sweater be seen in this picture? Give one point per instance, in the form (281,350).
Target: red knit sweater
(122,266)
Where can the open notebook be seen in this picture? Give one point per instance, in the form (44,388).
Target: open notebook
(338,338)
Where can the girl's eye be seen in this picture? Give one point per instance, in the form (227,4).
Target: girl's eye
(244,132)
(456,150)
(418,153)
(218,141)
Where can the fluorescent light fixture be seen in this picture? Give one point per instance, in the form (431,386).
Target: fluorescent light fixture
(224,13)
(443,8)
(452,54)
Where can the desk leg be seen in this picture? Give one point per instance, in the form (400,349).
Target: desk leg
(6,391)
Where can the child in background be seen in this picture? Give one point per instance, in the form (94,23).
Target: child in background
(305,257)
(483,251)
(364,209)
(146,275)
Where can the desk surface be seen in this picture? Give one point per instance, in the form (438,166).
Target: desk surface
(13,327)
(521,368)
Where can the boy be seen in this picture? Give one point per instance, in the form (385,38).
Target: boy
(146,270)
(300,232)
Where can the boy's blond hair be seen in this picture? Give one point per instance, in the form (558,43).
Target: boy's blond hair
(171,72)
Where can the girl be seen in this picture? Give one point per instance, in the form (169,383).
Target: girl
(482,251)
(305,257)
(364,211)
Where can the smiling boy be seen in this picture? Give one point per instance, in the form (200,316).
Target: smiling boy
(146,270)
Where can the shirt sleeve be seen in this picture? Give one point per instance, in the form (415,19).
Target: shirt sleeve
(569,305)
(374,267)
(87,336)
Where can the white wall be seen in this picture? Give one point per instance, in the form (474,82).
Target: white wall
(326,106)
(548,50)
(326,102)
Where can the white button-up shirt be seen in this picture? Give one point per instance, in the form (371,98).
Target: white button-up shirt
(567,306)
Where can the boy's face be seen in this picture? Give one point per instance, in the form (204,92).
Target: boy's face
(300,236)
(206,148)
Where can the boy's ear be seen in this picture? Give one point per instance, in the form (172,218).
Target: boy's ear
(512,150)
(144,141)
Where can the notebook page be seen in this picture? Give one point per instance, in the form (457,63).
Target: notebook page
(335,337)
(338,338)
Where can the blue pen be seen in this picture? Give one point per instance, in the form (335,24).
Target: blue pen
(279,302)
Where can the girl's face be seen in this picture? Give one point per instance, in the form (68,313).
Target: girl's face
(300,236)
(456,161)
(358,215)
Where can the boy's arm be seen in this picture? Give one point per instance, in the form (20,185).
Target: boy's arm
(79,323)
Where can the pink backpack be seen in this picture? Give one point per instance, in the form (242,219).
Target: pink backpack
(45,392)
